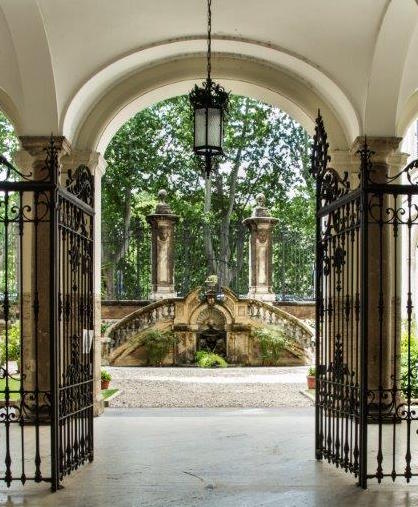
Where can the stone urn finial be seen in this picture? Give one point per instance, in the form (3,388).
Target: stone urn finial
(260,210)
(162,207)
(260,200)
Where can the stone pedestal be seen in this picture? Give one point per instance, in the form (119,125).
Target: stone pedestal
(260,225)
(162,223)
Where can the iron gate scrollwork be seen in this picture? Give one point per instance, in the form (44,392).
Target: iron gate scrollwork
(74,365)
(366,347)
(46,306)
(338,312)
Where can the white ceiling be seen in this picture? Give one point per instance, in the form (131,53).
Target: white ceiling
(60,58)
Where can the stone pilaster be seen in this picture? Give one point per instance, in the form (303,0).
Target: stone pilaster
(384,275)
(97,165)
(162,223)
(260,225)
(36,273)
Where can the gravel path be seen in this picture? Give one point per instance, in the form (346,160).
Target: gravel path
(197,387)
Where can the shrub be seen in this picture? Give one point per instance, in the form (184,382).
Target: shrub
(104,327)
(312,371)
(272,342)
(206,359)
(157,345)
(106,376)
(414,361)
(14,343)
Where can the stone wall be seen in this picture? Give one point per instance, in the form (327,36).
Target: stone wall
(227,322)
(304,310)
(116,310)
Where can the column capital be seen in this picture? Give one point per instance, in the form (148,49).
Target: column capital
(32,150)
(383,147)
(92,159)
(36,145)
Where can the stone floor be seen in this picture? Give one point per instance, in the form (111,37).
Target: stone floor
(209,457)
(221,387)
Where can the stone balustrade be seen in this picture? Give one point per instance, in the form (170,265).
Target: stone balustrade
(291,326)
(119,333)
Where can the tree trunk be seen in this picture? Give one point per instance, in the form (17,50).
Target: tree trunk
(207,229)
(225,271)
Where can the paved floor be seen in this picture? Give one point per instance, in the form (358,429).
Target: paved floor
(197,387)
(209,457)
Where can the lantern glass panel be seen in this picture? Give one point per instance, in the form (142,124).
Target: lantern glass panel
(214,128)
(208,130)
(199,128)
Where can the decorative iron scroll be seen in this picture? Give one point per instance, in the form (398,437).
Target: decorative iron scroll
(81,184)
(408,174)
(337,315)
(330,185)
(8,172)
(366,296)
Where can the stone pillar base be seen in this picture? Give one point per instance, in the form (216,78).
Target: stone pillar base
(163,292)
(260,295)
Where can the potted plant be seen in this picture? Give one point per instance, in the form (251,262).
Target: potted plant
(105,378)
(311,377)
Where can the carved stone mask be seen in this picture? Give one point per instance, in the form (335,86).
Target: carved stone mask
(163,233)
(262,236)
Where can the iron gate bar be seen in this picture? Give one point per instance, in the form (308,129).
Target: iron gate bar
(365,356)
(337,422)
(40,212)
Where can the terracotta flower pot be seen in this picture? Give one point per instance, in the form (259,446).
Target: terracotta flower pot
(105,384)
(311,381)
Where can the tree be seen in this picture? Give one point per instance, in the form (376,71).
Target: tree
(8,145)
(8,140)
(266,151)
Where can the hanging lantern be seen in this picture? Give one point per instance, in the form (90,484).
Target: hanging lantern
(209,102)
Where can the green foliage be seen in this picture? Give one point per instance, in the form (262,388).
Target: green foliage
(265,151)
(104,326)
(413,346)
(157,345)
(8,140)
(105,375)
(206,359)
(8,145)
(13,343)
(312,371)
(272,342)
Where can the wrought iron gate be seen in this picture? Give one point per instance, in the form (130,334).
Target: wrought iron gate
(46,352)
(73,429)
(367,348)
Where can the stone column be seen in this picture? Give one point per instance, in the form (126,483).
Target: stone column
(384,280)
(162,223)
(36,262)
(97,165)
(260,225)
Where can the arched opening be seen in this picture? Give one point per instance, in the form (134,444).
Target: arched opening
(214,232)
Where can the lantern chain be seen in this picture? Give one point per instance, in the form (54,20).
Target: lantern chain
(209,41)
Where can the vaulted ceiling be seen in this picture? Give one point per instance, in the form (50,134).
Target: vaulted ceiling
(82,67)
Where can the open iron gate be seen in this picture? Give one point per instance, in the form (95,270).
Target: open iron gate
(367,348)
(46,291)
